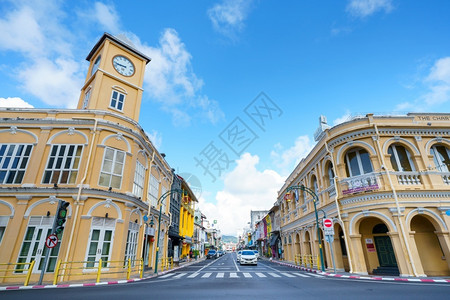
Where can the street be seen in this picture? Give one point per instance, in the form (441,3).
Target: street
(223,278)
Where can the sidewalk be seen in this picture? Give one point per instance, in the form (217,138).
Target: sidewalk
(108,282)
(348,275)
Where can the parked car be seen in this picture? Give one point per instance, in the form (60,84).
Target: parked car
(212,254)
(248,257)
(256,253)
(238,255)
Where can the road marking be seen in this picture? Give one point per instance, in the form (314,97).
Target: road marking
(300,274)
(287,275)
(193,275)
(167,275)
(180,275)
(206,275)
(260,274)
(233,275)
(316,275)
(274,275)
(236,266)
(220,275)
(247,275)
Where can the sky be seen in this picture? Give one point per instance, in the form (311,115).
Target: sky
(235,88)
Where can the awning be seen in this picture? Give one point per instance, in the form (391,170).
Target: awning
(273,239)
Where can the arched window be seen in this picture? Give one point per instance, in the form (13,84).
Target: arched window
(441,157)
(357,162)
(314,185)
(401,159)
(330,174)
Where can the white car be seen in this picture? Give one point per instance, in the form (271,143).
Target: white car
(256,253)
(238,254)
(248,257)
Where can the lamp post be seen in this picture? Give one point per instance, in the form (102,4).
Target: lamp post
(315,198)
(160,200)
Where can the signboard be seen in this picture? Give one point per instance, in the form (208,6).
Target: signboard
(51,241)
(328,227)
(370,246)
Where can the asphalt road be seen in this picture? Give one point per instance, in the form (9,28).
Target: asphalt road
(223,278)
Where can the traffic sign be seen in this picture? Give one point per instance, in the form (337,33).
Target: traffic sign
(328,227)
(51,241)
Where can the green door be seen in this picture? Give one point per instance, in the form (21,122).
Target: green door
(385,251)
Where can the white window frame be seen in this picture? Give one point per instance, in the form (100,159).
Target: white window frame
(102,225)
(360,164)
(13,162)
(164,203)
(87,96)
(331,175)
(153,190)
(104,173)
(139,179)
(397,160)
(132,243)
(117,102)
(42,228)
(57,173)
(440,167)
(3,224)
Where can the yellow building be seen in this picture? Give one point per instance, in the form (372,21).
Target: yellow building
(96,157)
(385,182)
(187,214)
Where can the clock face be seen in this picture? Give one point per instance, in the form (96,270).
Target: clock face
(123,65)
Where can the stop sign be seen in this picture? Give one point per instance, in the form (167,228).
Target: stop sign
(327,223)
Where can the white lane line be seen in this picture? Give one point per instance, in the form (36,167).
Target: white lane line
(287,275)
(167,275)
(300,274)
(233,275)
(274,275)
(180,275)
(247,275)
(260,275)
(237,269)
(220,275)
(206,275)
(193,275)
(316,275)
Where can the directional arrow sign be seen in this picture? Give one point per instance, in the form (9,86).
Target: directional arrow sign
(51,241)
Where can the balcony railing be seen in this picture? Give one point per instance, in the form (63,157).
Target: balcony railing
(408,178)
(331,190)
(358,184)
(446,177)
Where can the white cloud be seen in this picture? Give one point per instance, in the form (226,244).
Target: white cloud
(342,119)
(364,8)
(289,158)
(437,88)
(107,17)
(228,17)
(156,138)
(14,102)
(245,189)
(171,81)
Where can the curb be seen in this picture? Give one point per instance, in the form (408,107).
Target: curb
(376,278)
(51,286)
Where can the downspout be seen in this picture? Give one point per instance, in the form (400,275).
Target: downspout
(81,187)
(408,250)
(339,211)
(148,211)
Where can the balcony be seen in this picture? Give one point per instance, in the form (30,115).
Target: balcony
(408,178)
(446,177)
(358,184)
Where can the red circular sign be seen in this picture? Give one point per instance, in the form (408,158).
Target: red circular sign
(328,223)
(51,241)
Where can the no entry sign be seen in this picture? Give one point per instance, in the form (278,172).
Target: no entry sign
(328,226)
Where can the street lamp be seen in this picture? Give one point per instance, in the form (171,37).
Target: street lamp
(315,198)
(160,200)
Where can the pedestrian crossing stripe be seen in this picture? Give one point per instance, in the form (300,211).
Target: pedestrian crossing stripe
(239,275)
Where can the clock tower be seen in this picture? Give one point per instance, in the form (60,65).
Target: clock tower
(115,78)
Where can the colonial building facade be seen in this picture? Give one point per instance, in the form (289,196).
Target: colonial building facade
(385,182)
(96,157)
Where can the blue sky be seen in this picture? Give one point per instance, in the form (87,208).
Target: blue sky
(214,62)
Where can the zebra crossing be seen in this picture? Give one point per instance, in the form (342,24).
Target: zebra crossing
(221,275)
